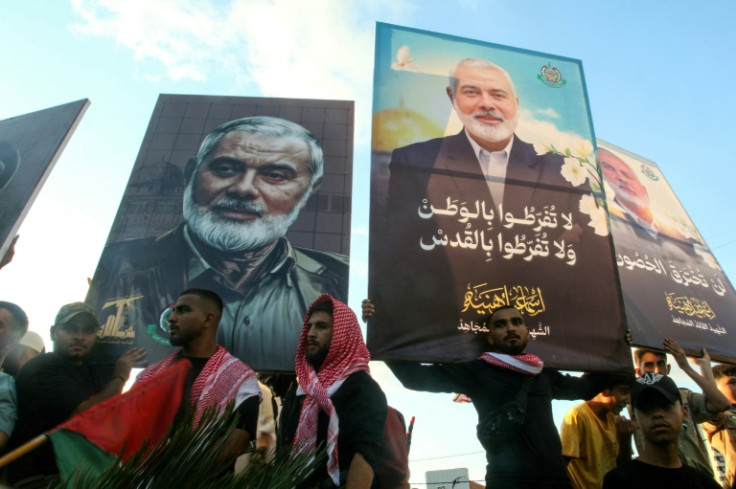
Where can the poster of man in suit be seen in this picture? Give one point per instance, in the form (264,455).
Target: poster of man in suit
(672,284)
(485,193)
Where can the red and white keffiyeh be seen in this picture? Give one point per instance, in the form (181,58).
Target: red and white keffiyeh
(526,364)
(347,355)
(223,378)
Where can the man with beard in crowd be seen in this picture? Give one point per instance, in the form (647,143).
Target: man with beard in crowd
(532,458)
(336,402)
(53,387)
(250,179)
(216,377)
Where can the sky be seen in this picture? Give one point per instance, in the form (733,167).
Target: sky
(658,76)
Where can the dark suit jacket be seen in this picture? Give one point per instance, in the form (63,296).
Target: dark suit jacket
(421,294)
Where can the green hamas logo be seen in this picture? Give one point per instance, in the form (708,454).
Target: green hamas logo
(551,76)
(649,173)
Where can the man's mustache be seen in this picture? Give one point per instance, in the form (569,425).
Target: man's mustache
(489,113)
(230,203)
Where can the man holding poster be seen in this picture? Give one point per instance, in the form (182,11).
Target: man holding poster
(482,219)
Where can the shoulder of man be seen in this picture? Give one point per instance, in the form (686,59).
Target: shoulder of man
(39,362)
(321,262)
(430,148)
(148,249)
(360,384)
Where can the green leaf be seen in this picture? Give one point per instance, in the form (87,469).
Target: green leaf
(194,456)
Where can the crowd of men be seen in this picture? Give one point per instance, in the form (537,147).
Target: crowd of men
(333,404)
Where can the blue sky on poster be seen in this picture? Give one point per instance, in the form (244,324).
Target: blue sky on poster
(659,80)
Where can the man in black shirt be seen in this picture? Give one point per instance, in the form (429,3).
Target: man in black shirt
(532,458)
(216,377)
(660,414)
(54,386)
(337,401)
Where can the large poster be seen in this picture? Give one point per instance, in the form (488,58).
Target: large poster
(30,144)
(247,197)
(485,193)
(672,283)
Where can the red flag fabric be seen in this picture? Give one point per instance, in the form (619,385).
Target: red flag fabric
(122,424)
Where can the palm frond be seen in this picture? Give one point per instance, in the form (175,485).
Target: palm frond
(194,457)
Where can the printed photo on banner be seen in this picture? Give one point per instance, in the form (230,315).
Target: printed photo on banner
(30,144)
(672,284)
(485,193)
(247,197)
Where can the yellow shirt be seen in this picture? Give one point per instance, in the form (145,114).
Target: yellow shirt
(591,444)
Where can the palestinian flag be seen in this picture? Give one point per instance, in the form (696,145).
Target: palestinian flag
(121,425)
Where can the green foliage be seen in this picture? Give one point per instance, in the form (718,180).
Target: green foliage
(195,457)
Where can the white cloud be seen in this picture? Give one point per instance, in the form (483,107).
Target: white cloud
(548,112)
(316,49)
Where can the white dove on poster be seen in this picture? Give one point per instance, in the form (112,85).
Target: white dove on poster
(403,60)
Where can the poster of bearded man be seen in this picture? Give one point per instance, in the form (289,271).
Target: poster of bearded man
(485,193)
(247,197)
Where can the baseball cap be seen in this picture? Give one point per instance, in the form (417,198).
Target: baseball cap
(69,311)
(654,382)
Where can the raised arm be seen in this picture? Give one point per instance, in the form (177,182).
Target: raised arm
(715,401)
(134,357)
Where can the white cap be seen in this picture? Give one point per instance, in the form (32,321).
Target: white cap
(33,341)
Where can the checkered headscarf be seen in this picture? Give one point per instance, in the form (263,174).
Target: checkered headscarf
(347,355)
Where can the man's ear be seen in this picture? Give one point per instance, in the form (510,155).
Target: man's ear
(668,368)
(637,371)
(685,413)
(53,333)
(449,94)
(314,188)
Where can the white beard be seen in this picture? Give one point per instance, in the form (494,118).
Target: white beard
(492,134)
(231,235)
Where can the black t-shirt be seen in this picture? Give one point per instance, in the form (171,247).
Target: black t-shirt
(361,411)
(635,474)
(49,390)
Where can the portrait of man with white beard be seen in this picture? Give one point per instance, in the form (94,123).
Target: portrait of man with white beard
(245,188)
(459,223)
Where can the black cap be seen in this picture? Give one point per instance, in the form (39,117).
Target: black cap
(656,382)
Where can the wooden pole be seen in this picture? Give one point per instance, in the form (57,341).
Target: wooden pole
(23,449)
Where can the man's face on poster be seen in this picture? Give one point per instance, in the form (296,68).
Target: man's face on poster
(486,103)
(622,179)
(249,190)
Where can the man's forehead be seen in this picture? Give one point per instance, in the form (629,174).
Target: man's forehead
(188,299)
(469,75)
(506,313)
(614,161)
(320,317)
(653,357)
(261,144)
